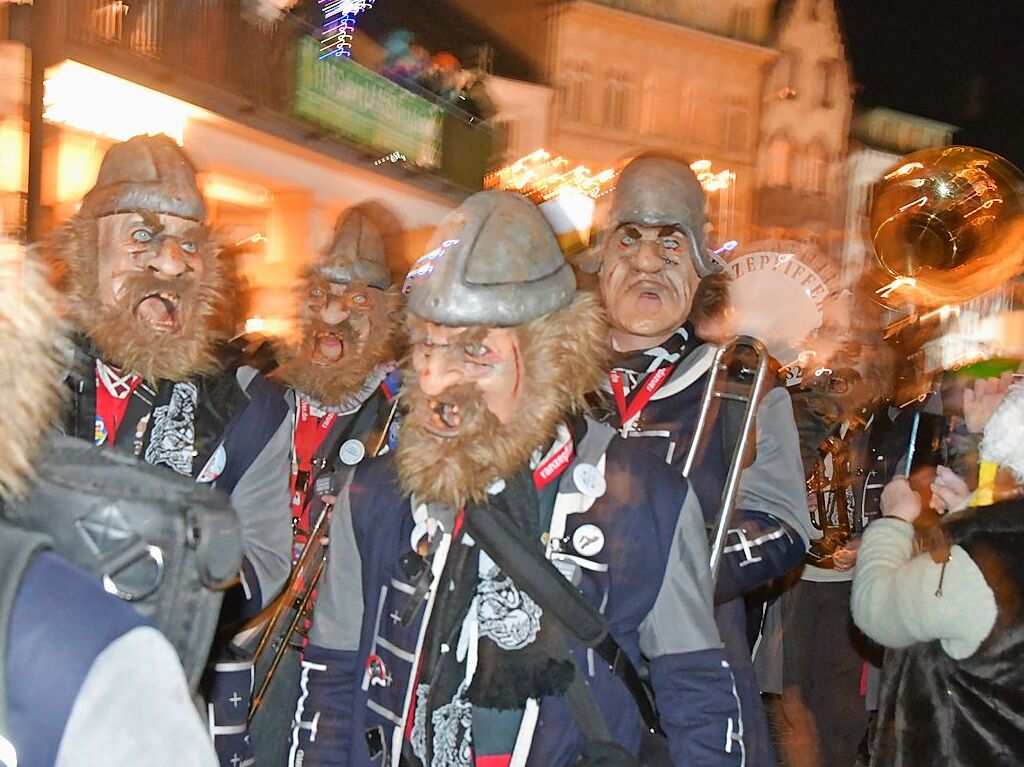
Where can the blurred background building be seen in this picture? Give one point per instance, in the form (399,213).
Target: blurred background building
(435,98)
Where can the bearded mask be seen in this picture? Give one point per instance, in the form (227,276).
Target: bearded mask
(138,265)
(501,350)
(347,316)
(30,363)
(479,400)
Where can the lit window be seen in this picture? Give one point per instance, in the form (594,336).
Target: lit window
(816,170)
(576,84)
(779,160)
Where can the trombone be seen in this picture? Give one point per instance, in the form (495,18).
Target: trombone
(739,373)
(291,609)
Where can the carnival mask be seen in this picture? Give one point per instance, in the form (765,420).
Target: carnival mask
(145,287)
(648,281)
(346,331)
(479,400)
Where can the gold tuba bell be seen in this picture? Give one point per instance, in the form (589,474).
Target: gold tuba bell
(946,227)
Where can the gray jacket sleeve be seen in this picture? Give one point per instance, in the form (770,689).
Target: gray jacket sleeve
(682,619)
(261,500)
(896,599)
(339,604)
(134,708)
(774,483)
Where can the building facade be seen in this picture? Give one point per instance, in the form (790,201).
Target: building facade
(284,140)
(804,129)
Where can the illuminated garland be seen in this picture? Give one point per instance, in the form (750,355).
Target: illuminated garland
(542,176)
(339,24)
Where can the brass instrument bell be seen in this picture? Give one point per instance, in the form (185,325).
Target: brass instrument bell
(946,227)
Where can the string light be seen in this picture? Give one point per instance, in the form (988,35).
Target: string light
(711,181)
(339,25)
(542,176)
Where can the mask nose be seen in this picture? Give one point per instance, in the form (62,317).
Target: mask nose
(438,374)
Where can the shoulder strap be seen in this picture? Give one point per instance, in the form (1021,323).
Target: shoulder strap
(523,561)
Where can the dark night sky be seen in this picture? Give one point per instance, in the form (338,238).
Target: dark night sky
(959,61)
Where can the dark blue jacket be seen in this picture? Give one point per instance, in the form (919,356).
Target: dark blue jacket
(650,579)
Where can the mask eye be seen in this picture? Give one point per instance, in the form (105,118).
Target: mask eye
(476,351)
(316,293)
(359,299)
(670,243)
(628,240)
(189,246)
(142,236)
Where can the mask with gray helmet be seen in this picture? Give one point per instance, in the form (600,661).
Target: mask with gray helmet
(146,173)
(356,253)
(493,261)
(660,191)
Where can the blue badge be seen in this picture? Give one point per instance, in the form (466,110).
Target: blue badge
(100,434)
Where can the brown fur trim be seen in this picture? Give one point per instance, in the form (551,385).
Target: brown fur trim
(31,361)
(335,385)
(123,340)
(564,357)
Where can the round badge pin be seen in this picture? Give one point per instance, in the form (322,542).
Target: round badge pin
(497,487)
(589,480)
(214,467)
(352,452)
(588,540)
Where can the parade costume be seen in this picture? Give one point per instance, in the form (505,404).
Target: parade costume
(424,651)
(148,378)
(342,384)
(84,681)
(654,256)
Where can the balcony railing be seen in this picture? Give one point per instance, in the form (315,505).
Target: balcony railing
(211,43)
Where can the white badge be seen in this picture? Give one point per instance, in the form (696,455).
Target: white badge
(214,467)
(588,540)
(497,487)
(589,480)
(352,452)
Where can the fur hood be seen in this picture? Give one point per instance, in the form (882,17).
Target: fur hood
(1003,439)
(31,360)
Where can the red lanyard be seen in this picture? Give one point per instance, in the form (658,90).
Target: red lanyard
(553,467)
(643,395)
(310,432)
(110,411)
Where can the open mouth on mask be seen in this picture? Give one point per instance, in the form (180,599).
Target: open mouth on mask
(328,348)
(160,311)
(647,293)
(445,419)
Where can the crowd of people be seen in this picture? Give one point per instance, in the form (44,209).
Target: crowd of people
(500,522)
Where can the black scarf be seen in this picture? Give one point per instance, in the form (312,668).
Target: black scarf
(518,650)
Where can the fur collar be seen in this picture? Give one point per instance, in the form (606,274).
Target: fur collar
(31,360)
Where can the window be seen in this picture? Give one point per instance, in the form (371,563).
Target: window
(736,122)
(618,101)
(779,158)
(786,77)
(740,22)
(816,169)
(828,73)
(575,87)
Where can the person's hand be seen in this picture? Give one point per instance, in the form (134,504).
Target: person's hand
(982,398)
(845,558)
(900,500)
(949,492)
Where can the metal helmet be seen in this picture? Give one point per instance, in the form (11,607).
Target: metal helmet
(660,191)
(146,173)
(356,253)
(493,261)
